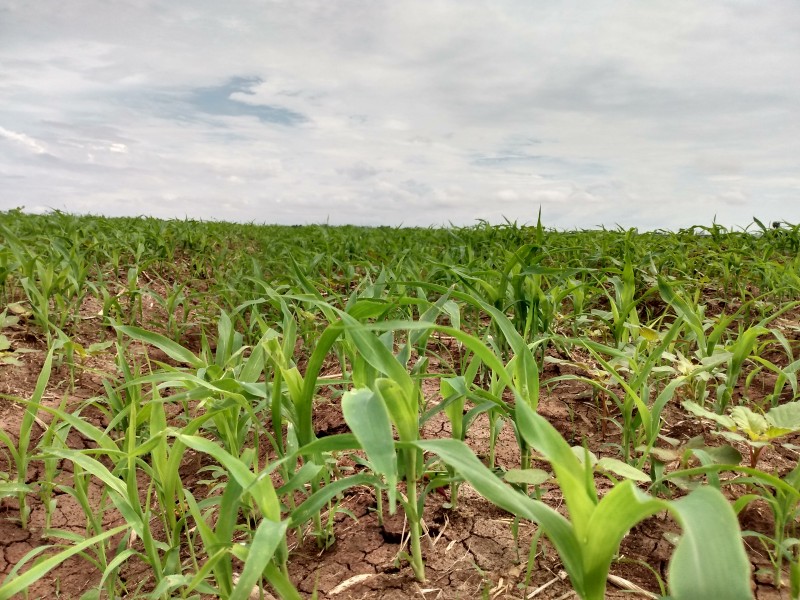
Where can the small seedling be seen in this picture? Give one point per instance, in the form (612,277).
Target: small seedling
(754,429)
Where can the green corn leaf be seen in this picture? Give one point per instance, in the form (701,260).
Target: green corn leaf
(31,410)
(579,493)
(526,377)
(320,498)
(560,531)
(295,385)
(367,416)
(684,310)
(304,401)
(266,540)
(10,488)
(129,507)
(300,478)
(376,354)
(260,488)
(172,349)
(167,585)
(223,532)
(217,542)
(709,561)
(477,346)
(15,585)
(525,371)
(225,336)
(619,510)
(402,408)
(207,535)
(254,365)
(742,348)
(116,563)
(526,476)
(623,469)
(367,308)
(455,388)
(331,443)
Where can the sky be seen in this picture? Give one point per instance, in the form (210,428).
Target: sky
(655,115)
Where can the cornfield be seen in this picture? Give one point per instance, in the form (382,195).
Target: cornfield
(205,409)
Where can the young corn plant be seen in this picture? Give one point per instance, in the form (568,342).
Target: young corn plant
(784,503)
(705,335)
(740,351)
(393,401)
(223,379)
(783,374)
(265,556)
(708,562)
(508,286)
(622,317)
(18,583)
(522,365)
(454,394)
(20,451)
(159,456)
(177,307)
(120,485)
(370,413)
(635,370)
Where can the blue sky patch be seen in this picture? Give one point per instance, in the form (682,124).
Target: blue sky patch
(217,101)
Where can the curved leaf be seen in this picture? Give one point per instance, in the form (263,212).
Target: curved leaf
(709,561)
(266,540)
(368,418)
(172,349)
(560,531)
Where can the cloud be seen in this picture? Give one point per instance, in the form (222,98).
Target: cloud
(643,114)
(23,140)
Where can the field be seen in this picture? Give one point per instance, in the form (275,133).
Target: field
(200,409)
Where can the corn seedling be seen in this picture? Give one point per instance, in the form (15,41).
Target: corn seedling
(20,451)
(587,543)
(784,504)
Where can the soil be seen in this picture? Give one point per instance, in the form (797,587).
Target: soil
(470,551)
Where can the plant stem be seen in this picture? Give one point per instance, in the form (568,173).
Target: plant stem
(416,551)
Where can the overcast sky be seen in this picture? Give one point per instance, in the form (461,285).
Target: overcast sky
(642,114)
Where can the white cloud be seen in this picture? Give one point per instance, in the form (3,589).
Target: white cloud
(23,140)
(507,195)
(644,114)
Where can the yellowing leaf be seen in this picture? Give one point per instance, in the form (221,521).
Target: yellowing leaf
(785,416)
(753,424)
(651,335)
